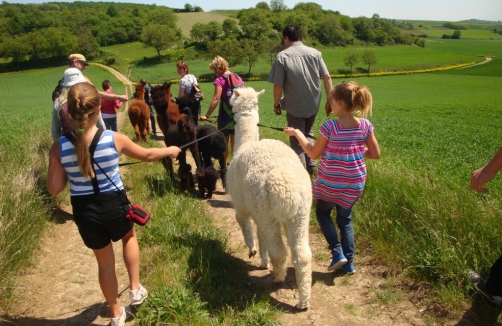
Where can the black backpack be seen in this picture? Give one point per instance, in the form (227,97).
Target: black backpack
(57,91)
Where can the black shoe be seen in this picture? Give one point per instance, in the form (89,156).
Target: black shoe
(480,285)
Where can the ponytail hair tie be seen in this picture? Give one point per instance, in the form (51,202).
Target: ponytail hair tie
(80,130)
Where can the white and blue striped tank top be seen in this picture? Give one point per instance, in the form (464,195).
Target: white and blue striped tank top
(106,155)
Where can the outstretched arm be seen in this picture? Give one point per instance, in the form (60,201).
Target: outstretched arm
(313,151)
(131,149)
(487,172)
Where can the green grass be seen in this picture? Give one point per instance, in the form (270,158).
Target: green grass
(417,211)
(465,33)
(484,48)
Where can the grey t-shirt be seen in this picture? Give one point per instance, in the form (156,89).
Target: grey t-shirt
(299,69)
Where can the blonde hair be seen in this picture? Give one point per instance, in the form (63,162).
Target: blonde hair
(219,65)
(83,105)
(62,98)
(356,98)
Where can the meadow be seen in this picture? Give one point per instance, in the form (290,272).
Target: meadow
(417,212)
(465,33)
(130,60)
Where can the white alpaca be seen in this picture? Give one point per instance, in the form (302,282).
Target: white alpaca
(267,182)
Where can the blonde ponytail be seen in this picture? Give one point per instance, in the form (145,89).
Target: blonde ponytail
(83,104)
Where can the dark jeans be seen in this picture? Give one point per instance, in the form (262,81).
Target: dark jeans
(494,281)
(343,221)
(110,123)
(305,126)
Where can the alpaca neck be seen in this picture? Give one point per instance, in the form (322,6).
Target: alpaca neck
(140,95)
(246,128)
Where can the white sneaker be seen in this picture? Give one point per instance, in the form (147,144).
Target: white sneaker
(138,296)
(120,321)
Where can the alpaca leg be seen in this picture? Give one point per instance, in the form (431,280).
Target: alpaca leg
(136,131)
(301,256)
(244,221)
(272,236)
(143,127)
(168,165)
(262,246)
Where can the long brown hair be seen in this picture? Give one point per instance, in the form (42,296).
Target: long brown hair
(83,105)
(357,98)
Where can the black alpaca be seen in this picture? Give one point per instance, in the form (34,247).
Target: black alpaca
(180,134)
(206,180)
(212,147)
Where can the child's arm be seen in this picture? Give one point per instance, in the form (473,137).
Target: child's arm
(486,173)
(131,149)
(313,151)
(372,149)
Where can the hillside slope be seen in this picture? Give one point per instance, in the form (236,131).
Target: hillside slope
(187,19)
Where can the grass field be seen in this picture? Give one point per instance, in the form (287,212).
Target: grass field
(390,58)
(187,19)
(465,34)
(417,211)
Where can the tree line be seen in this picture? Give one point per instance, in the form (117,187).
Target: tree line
(48,32)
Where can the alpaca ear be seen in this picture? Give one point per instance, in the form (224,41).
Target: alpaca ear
(260,93)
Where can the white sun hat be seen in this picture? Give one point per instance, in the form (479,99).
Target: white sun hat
(73,76)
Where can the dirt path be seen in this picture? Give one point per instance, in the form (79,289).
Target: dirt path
(62,288)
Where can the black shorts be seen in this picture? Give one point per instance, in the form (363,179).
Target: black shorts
(101,222)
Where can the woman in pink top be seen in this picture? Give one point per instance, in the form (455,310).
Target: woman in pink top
(343,144)
(109,107)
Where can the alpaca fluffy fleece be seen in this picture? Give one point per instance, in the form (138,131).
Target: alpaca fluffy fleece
(267,182)
(206,179)
(139,114)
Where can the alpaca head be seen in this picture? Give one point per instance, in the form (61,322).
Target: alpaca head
(245,99)
(140,91)
(161,94)
(186,128)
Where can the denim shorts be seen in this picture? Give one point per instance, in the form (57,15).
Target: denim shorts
(101,221)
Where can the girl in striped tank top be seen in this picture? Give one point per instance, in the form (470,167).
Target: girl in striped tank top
(342,145)
(101,218)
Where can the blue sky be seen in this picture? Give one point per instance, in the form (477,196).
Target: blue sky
(449,10)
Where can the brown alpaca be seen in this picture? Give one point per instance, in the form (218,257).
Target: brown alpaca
(139,114)
(166,108)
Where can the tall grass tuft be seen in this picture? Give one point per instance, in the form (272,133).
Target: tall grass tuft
(23,207)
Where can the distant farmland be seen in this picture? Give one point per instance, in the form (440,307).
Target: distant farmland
(187,19)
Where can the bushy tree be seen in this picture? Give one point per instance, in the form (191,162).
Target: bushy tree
(230,28)
(87,43)
(369,58)
(231,50)
(351,59)
(262,5)
(160,37)
(112,11)
(188,7)
(254,24)
(278,5)
(204,33)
